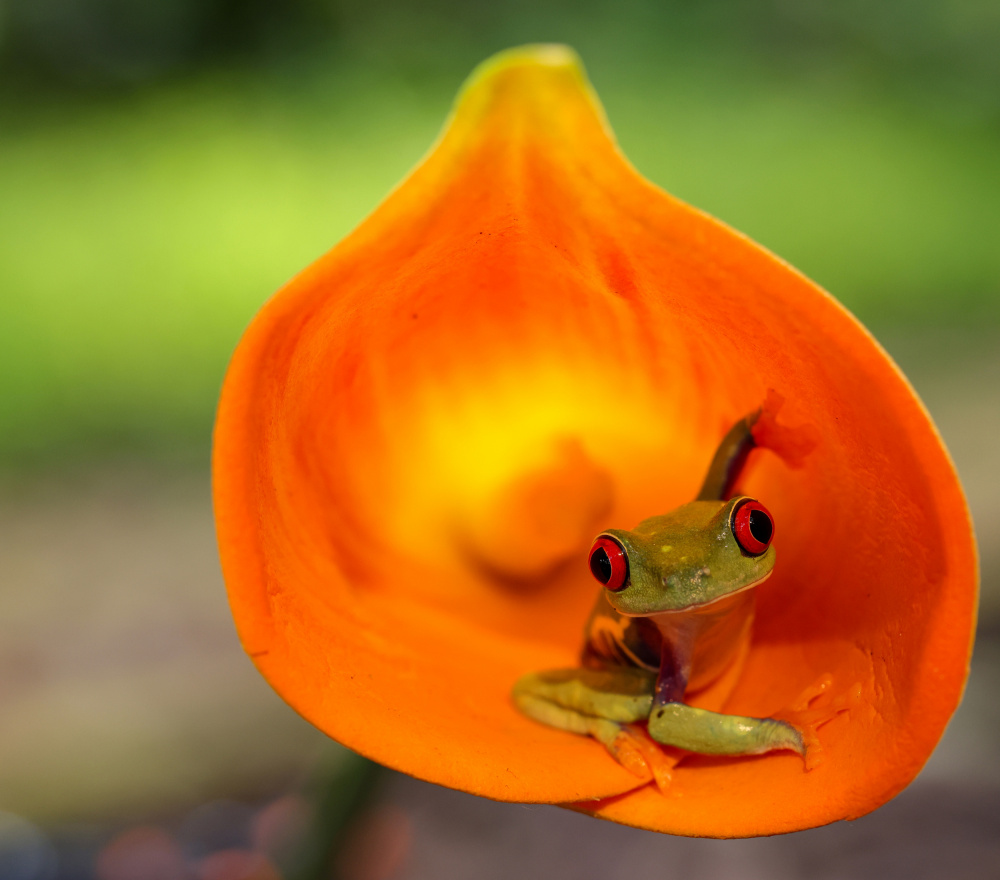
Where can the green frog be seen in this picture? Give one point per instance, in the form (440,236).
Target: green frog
(674,616)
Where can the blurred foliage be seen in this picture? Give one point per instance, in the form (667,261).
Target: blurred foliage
(103,42)
(166,164)
(941,46)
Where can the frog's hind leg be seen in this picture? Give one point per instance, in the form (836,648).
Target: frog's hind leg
(604,704)
(614,736)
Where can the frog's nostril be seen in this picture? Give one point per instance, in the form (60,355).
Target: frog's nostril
(608,563)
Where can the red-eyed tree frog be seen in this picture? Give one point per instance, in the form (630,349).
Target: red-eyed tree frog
(674,616)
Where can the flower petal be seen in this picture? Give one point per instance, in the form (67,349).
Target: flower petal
(526,343)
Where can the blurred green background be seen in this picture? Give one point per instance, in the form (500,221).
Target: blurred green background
(166,165)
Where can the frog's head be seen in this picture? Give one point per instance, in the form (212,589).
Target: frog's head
(693,555)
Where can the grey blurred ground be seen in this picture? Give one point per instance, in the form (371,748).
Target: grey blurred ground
(124,694)
(932,830)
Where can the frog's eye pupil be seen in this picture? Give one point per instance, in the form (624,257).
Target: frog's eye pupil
(761,526)
(609,564)
(753,527)
(600,565)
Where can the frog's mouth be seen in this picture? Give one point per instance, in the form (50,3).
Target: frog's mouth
(708,606)
(717,603)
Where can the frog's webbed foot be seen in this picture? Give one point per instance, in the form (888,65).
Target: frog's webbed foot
(813,708)
(605,704)
(791,443)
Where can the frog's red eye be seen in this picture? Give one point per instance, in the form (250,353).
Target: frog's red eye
(753,527)
(609,564)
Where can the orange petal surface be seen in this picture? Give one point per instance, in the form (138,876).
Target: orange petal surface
(526,343)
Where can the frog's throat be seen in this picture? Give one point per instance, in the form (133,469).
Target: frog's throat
(716,604)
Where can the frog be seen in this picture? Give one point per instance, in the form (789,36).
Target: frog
(673,618)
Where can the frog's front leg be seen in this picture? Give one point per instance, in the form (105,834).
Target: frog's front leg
(674,723)
(712,733)
(604,704)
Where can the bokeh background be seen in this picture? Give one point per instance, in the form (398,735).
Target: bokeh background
(165,165)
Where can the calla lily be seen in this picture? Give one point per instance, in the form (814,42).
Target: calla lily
(527,342)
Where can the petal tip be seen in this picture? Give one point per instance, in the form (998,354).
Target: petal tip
(539,87)
(523,70)
(533,55)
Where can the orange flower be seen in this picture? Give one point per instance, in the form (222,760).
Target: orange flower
(525,343)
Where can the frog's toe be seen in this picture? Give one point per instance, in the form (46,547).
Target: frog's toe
(659,759)
(817,705)
(632,747)
(625,747)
